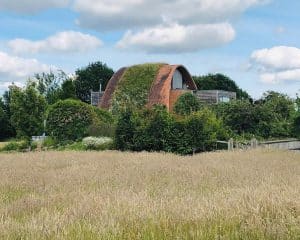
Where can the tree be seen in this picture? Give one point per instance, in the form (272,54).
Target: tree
(27,108)
(186,104)
(68,90)
(8,130)
(219,82)
(239,116)
(89,78)
(281,104)
(49,85)
(4,122)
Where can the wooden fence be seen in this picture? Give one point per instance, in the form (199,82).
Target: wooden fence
(288,144)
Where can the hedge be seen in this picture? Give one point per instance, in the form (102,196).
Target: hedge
(157,130)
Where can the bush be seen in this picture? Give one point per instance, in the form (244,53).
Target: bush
(48,143)
(157,130)
(16,146)
(101,143)
(186,104)
(69,120)
(103,126)
(99,128)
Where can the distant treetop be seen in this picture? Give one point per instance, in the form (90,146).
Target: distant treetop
(219,82)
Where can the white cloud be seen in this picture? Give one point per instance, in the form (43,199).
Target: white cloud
(282,76)
(280,57)
(175,38)
(278,64)
(31,6)
(68,41)
(119,14)
(16,69)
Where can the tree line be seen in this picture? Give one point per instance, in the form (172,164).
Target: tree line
(63,101)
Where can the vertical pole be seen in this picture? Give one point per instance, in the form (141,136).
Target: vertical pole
(230,144)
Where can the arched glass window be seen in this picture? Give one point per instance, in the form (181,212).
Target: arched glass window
(177,82)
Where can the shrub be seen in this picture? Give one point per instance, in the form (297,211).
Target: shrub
(16,146)
(157,130)
(104,125)
(296,126)
(101,143)
(186,104)
(49,142)
(126,129)
(69,119)
(99,128)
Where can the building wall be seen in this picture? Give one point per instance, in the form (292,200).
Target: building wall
(174,95)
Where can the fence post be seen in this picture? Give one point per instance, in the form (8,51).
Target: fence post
(254,143)
(230,144)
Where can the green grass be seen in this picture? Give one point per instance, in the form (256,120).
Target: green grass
(134,86)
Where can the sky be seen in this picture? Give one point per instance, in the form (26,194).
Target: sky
(254,42)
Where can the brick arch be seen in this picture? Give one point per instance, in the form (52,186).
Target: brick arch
(160,92)
(110,88)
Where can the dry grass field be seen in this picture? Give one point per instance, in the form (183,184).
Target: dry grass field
(113,195)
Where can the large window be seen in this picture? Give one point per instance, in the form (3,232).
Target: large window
(177,82)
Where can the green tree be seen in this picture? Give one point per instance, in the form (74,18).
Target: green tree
(296,126)
(125,130)
(202,131)
(68,90)
(239,116)
(186,104)
(281,104)
(49,85)
(27,109)
(4,122)
(89,78)
(219,82)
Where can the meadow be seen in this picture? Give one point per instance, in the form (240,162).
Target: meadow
(113,195)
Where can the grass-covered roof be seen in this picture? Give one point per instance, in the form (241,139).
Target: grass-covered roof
(134,86)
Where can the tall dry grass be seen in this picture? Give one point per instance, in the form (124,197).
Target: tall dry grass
(113,195)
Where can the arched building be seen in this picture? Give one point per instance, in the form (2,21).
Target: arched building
(166,84)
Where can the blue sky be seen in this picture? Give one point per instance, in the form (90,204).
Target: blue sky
(255,42)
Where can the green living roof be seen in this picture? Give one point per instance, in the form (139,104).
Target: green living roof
(134,86)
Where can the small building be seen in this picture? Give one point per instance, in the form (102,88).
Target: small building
(165,85)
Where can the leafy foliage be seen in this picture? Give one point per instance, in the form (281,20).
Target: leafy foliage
(157,130)
(68,90)
(134,87)
(49,85)
(89,78)
(238,115)
(186,104)
(27,109)
(219,82)
(69,119)
(296,126)
(16,146)
(5,127)
(270,117)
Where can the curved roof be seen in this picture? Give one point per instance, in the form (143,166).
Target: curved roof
(159,92)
